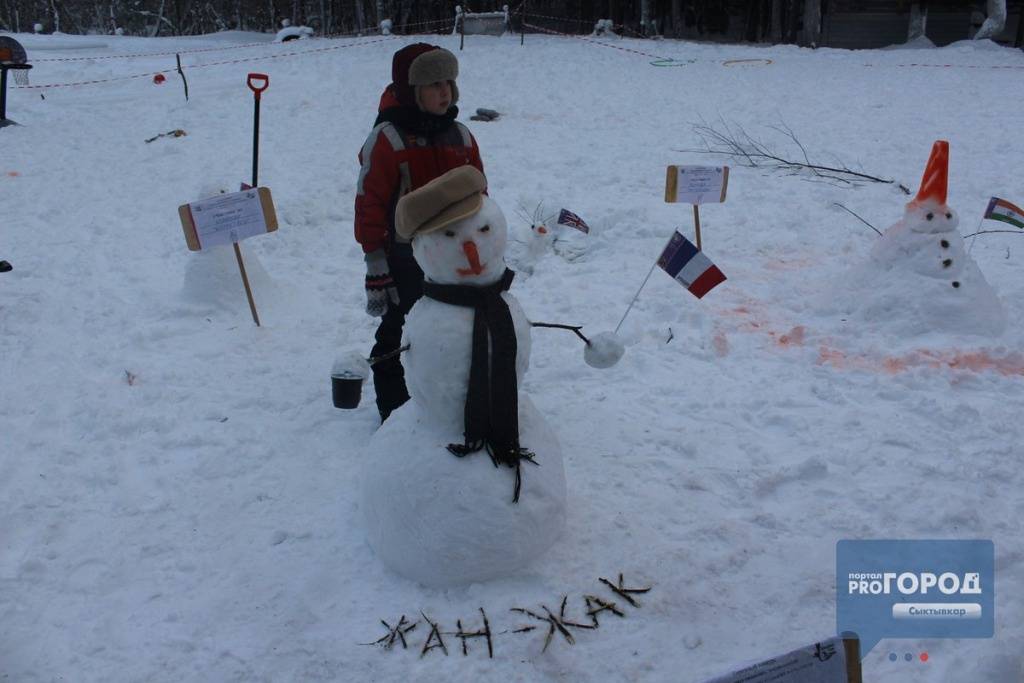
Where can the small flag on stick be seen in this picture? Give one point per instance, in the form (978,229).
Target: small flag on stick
(1002,210)
(687,264)
(566,217)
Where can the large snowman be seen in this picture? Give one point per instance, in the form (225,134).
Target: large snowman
(920,278)
(464,482)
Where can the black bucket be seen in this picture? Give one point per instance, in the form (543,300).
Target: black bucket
(347,376)
(346,390)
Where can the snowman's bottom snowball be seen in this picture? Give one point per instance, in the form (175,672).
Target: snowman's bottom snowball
(443,520)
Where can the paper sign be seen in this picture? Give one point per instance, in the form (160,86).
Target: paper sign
(696,184)
(228,218)
(831,661)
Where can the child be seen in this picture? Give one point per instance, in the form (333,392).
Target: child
(414,140)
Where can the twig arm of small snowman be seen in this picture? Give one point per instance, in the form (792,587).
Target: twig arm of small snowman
(373,360)
(575,328)
(603,350)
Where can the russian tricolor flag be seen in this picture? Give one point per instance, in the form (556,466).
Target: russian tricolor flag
(687,264)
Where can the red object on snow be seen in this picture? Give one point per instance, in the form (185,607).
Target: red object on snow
(936,174)
(158,79)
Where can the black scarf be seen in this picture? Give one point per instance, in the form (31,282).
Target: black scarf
(414,120)
(492,401)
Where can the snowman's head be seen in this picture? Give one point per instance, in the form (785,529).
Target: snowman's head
(470,251)
(458,233)
(930,217)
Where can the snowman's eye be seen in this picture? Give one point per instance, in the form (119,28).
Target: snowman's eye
(949,215)
(486,228)
(930,216)
(449,233)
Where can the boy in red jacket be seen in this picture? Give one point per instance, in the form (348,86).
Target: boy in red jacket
(414,140)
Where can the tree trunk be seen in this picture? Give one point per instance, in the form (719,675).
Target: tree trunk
(360,16)
(677,18)
(1017,43)
(812,23)
(645,17)
(995,22)
(776,30)
(918,22)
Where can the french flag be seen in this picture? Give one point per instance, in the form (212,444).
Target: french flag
(687,264)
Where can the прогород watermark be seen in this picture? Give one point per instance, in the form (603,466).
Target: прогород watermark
(915,589)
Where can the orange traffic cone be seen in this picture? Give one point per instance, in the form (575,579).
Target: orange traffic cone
(936,176)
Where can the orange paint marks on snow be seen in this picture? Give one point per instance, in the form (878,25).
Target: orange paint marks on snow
(830,356)
(977,361)
(971,361)
(13,174)
(795,337)
(721,344)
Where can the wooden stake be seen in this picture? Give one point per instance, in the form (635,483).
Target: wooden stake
(245,281)
(696,223)
(181,72)
(522,24)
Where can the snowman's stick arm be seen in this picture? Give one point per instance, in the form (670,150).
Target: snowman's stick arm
(373,360)
(575,328)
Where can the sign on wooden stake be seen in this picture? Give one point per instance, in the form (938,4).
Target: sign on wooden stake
(228,219)
(696,185)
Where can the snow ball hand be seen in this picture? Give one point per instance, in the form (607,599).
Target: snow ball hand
(604,350)
(380,288)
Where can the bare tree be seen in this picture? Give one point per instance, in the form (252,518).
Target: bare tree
(812,23)
(995,22)
(918,21)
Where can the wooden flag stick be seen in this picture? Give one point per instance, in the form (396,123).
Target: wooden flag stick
(245,281)
(696,223)
(635,297)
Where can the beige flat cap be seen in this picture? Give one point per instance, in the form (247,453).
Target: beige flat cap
(444,200)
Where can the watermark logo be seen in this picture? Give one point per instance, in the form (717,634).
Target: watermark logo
(915,589)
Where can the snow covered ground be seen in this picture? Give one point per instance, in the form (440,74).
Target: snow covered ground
(200,522)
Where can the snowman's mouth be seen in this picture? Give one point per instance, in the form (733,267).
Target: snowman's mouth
(473,256)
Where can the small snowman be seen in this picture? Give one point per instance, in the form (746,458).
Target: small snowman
(465,482)
(920,278)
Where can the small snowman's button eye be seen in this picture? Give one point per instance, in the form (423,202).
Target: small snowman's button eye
(449,233)
(949,215)
(486,228)
(930,215)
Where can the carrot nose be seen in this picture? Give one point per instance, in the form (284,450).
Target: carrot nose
(542,230)
(473,256)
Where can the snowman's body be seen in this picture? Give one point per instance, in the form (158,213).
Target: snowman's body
(431,516)
(440,338)
(920,278)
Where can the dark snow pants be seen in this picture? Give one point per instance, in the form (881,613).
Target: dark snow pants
(388,375)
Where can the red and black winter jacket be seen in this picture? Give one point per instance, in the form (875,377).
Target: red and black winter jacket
(394,162)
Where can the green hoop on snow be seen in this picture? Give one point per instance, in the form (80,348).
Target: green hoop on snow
(669,61)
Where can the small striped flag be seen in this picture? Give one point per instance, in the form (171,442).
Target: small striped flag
(687,264)
(1002,210)
(567,217)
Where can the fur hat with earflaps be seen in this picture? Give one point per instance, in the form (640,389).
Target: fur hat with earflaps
(444,200)
(422,64)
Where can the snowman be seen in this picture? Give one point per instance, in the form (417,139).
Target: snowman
(920,278)
(465,482)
